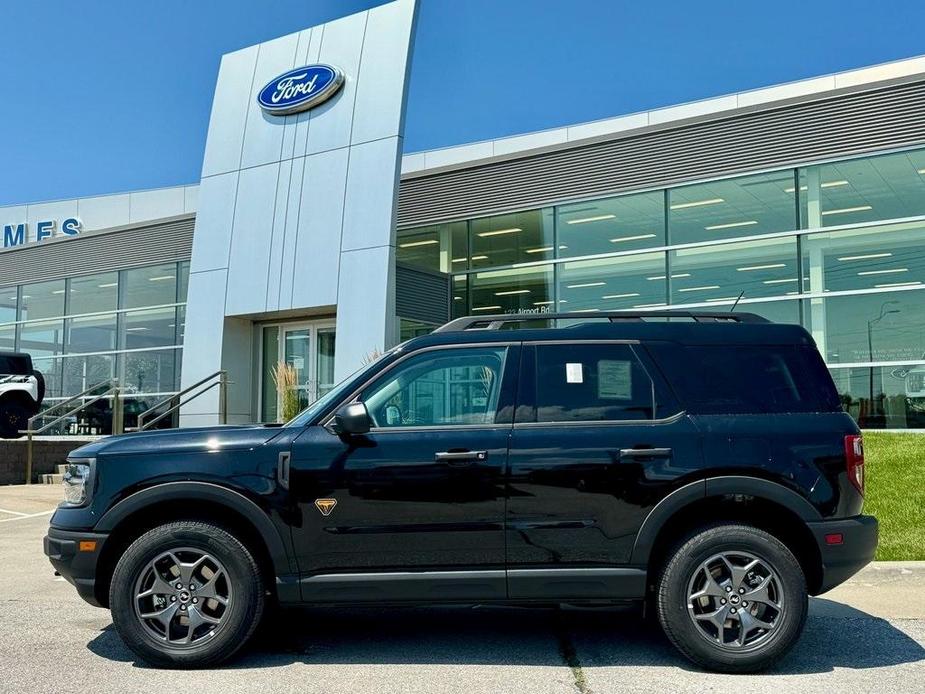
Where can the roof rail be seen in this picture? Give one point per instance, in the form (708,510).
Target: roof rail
(496,322)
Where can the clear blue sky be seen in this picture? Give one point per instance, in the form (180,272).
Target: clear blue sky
(103,96)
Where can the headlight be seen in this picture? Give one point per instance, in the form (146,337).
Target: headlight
(76,481)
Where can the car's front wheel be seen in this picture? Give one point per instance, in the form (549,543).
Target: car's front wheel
(186,594)
(732,598)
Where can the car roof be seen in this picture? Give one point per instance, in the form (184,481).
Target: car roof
(687,332)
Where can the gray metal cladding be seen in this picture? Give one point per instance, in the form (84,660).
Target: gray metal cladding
(91,253)
(421,295)
(787,135)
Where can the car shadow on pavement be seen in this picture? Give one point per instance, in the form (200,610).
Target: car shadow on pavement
(532,636)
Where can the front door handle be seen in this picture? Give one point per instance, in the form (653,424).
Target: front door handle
(461,458)
(645,453)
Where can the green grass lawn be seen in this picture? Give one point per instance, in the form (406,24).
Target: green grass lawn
(895,469)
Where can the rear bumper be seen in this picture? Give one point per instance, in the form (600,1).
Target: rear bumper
(78,567)
(841,561)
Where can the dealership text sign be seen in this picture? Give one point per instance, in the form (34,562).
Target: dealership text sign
(18,234)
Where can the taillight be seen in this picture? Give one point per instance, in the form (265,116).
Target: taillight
(854,457)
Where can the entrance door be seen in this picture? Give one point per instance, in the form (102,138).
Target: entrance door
(308,349)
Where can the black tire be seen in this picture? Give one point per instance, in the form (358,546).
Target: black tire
(679,578)
(238,620)
(13,417)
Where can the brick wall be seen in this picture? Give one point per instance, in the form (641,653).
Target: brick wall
(46,455)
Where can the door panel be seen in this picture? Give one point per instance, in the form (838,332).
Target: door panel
(423,491)
(588,461)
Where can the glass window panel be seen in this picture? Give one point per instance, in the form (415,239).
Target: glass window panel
(269,405)
(440,247)
(151,372)
(886,326)
(325,360)
(80,373)
(409,329)
(51,370)
(591,383)
(460,302)
(42,339)
(886,397)
(7,337)
(518,290)
(7,305)
(94,293)
(632,281)
(871,258)
(42,300)
(443,388)
(91,333)
(511,238)
(150,328)
(735,207)
(775,311)
(183,281)
(150,286)
(766,267)
(862,190)
(616,224)
(181,324)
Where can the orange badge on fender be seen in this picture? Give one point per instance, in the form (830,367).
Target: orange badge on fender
(325,506)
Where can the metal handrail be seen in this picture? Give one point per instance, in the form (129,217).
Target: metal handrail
(222,383)
(117,416)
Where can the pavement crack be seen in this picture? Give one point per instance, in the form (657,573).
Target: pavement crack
(570,656)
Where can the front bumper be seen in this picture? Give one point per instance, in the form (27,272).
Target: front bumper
(841,561)
(77,566)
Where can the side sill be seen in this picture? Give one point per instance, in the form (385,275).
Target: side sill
(623,583)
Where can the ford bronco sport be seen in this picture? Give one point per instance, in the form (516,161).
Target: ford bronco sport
(697,463)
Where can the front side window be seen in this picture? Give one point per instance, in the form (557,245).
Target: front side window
(448,387)
(591,383)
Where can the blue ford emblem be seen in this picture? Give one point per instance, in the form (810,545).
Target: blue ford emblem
(300,89)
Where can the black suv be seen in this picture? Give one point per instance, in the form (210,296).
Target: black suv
(698,463)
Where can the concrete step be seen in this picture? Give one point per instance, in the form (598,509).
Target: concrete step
(52,479)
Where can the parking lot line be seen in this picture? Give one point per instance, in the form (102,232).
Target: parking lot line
(26,516)
(13,513)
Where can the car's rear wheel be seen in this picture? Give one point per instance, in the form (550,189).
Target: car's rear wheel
(732,598)
(186,594)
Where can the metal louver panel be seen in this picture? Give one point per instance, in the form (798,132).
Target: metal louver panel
(422,295)
(787,135)
(105,251)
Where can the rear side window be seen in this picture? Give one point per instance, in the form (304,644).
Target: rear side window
(749,379)
(591,383)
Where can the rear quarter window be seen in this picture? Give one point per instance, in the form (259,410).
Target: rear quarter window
(749,379)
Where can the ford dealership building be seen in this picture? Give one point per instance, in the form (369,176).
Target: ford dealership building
(313,239)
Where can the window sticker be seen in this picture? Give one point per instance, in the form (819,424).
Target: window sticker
(574,373)
(614,380)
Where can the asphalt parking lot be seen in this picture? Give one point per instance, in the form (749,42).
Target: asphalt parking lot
(867,635)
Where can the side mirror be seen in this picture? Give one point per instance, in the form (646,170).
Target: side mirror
(352,418)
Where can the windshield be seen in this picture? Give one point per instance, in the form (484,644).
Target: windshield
(337,392)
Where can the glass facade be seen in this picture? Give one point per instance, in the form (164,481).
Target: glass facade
(838,247)
(82,331)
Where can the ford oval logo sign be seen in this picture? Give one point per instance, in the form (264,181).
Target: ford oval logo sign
(300,89)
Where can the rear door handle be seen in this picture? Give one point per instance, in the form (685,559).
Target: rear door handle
(645,452)
(461,458)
